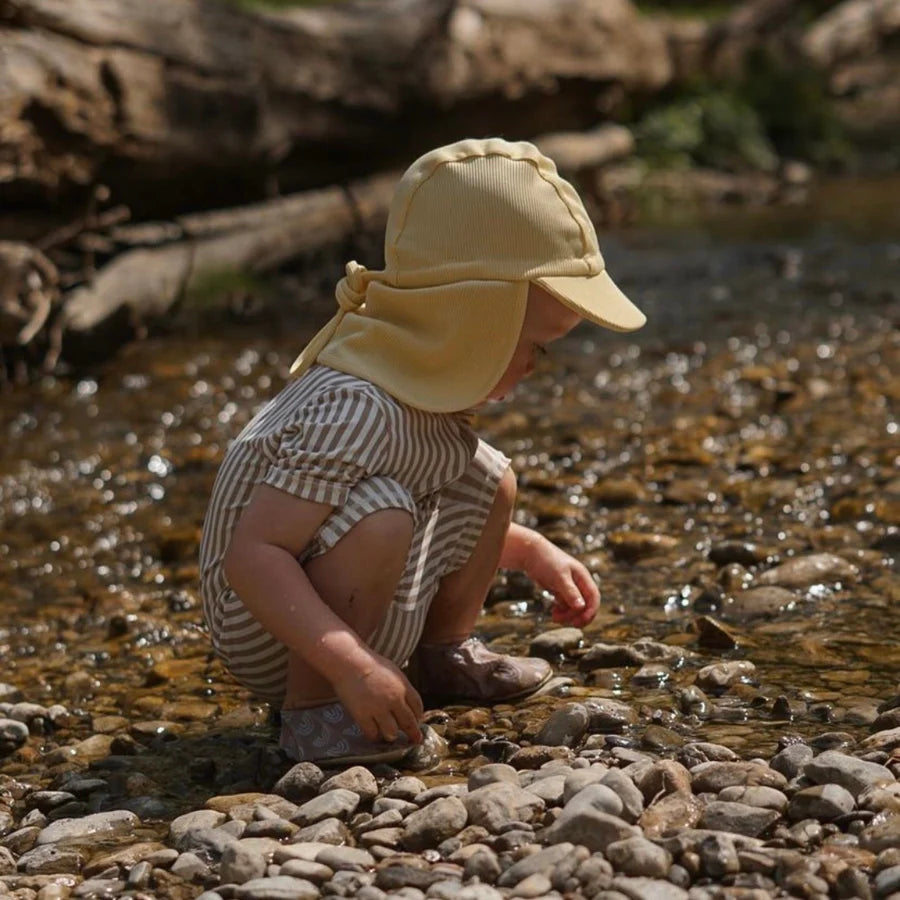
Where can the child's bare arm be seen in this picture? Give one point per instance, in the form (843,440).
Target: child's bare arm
(262,568)
(575,593)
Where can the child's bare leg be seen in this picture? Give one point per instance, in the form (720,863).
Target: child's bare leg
(458,602)
(357,578)
(447,664)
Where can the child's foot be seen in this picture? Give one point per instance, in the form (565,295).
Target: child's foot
(327,735)
(469,671)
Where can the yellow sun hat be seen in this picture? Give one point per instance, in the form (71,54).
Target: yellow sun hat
(470,225)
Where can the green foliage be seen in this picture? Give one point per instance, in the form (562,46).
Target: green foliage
(796,109)
(715,129)
(219,289)
(775,110)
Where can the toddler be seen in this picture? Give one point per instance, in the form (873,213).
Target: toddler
(357,522)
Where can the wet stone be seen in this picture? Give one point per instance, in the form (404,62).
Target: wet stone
(201,818)
(738,818)
(326,831)
(49,860)
(720,676)
(13,735)
(565,726)
(712,777)
(556,643)
(609,716)
(758,602)
(852,774)
(824,802)
(762,797)
(818,568)
(93,827)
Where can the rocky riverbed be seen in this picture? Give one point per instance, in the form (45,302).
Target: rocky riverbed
(729,726)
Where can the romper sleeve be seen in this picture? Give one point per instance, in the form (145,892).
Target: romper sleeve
(337,440)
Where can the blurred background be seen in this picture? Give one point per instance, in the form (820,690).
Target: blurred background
(175,161)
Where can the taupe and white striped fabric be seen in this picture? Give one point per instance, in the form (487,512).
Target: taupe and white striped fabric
(337,439)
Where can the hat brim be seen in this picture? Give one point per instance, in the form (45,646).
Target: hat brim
(596,298)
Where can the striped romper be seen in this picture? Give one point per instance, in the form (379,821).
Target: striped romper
(340,440)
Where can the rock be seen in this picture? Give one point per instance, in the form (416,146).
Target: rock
(330,831)
(307,870)
(581,778)
(792,760)
(50,859)
(887,882)
(609,716)
(551,790)
(625,789)
(241,864)
(720,676)
(648,889)
(407,787)
(91,828)
(758,602)
(661,778)
(718,856)
(281,887)
(357,779)
(594,796)
(190,867)
(714,635)
(633,545)
(556,643)
(852,774)
(881,836)
(13,735)
(804,571)
(337,804)
(712,777)
(434,823)
(824,802)
(671,813)
(565,726)
(300,783)
(492,773)
(589,827)
(201,818)
(494,805)
(885,741)
(541,863)
(345,858)
(738,818)
(762,797)
(744,552)
(638,856)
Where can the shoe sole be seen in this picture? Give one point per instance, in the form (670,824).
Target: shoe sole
(550,683)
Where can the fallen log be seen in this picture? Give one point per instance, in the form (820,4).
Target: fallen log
(214,104)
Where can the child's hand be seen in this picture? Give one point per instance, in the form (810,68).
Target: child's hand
(576,596)
(381,700)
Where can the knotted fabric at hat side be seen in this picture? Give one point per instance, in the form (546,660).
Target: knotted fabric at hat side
(350,294)
(441,348)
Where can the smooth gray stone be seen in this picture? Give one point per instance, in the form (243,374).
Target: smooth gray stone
(648,889)
(565,727)
(50,859)
(594,796)
(550,790)
(209,841)
(99,887)
(199,818)
(90,828)
(189,866)
(434,823)
(823,802)
(887,881)
(352,859)
(282,887)
(543,862)
(337,804)
(637,856)
(357,779)
(590,827)
(241,864)
(308,870)
(407,787)
(738,818)
(300,783)
(627,791)
(852,774)
(762,797)
(491,774)
(494,805)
